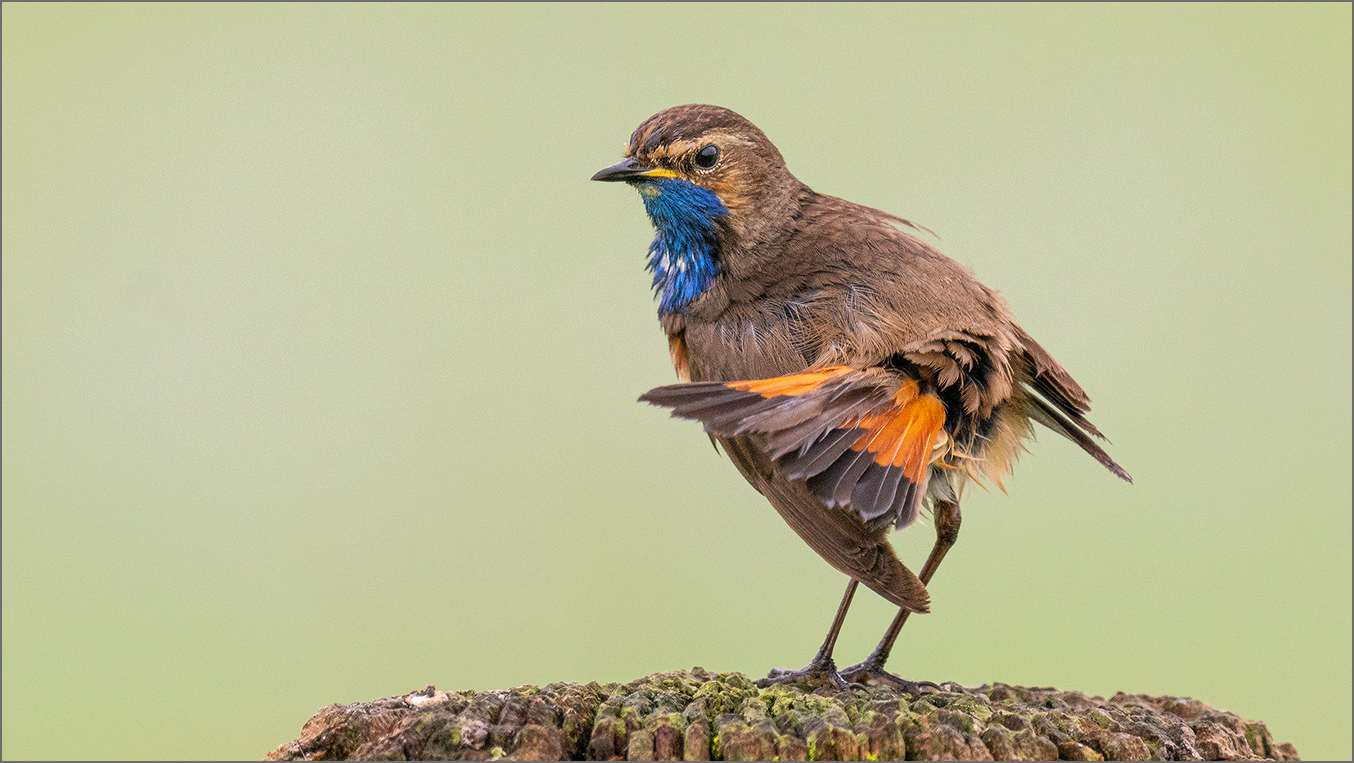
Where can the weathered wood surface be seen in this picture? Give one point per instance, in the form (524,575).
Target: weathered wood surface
(697,715)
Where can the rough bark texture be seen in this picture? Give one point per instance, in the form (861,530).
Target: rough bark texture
(697,715)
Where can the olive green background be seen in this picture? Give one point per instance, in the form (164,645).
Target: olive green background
(321,355)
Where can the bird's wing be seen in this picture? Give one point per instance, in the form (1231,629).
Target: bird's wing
(861,439)
(980,373)
(839,537)
(1060,404)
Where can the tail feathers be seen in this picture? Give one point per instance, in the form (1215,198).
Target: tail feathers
(862,440)
(1078,431)
(764,405)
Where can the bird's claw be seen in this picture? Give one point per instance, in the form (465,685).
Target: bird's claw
(817,673)
(865,675)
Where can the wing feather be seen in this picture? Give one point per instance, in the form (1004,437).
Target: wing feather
(1046,414)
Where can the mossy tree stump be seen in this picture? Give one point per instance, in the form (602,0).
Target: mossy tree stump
(697,715)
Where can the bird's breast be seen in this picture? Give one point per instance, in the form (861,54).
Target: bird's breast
(741,344)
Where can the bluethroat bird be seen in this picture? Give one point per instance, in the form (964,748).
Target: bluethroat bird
(851,372)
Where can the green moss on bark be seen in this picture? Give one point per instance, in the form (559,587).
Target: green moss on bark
(698,715)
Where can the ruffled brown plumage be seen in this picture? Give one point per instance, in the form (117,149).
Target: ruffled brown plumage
(849,369)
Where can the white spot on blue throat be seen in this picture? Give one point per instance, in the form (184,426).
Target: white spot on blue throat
(684,255)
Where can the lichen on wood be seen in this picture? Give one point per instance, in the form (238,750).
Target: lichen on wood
(698,715)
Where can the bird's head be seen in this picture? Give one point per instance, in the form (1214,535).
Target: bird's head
(713,149)
(712,183)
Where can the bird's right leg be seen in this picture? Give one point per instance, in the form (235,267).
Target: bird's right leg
(822,669)
(947,519)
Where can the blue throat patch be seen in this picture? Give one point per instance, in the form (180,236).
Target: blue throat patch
(683,254)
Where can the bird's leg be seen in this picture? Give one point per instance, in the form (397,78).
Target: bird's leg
(822,669)
(947,521)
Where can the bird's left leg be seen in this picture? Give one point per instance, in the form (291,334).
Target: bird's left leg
(947,520)
(822,669)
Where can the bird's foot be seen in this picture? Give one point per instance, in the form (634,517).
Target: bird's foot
(868,674)
(818,673)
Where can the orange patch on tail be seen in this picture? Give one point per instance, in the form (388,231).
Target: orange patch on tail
(901,434)
(904,435)
(794,384)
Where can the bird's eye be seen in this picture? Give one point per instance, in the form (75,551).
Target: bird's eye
(707,156)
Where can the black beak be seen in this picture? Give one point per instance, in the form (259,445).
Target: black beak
(630,169)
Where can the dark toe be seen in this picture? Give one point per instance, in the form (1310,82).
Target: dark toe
(868,677)
(817,675)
